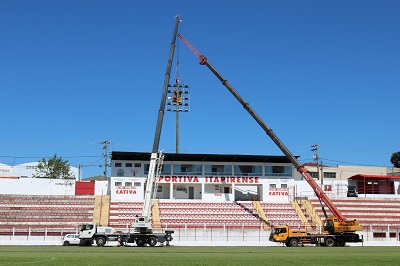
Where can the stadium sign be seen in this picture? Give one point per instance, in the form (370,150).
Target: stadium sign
(210,179)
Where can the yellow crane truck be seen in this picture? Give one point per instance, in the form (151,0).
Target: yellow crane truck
(337,229)
(334,234)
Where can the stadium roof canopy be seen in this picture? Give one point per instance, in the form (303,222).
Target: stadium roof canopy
(190,157)
(374,177)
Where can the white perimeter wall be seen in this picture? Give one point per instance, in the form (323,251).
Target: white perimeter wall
(37,186)
(102,188)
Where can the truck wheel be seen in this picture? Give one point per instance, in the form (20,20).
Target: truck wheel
(330,242)
(100,241)
(140,242)
(294,242)
(340,242)
(152,241)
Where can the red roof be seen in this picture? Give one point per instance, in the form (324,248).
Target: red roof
(373,177)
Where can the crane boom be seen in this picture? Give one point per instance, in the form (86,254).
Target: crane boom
(143,223)
(300,168)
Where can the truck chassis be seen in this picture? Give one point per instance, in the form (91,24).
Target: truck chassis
(126,239)
(321,240)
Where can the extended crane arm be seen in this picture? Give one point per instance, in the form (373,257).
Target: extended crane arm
(143,223)
(300,168)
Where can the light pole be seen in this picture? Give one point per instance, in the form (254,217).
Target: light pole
(178,101)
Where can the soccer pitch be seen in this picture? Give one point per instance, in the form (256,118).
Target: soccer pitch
(74,255)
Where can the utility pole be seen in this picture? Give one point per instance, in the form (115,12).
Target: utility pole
(79,172)
(316,158)
(106,164)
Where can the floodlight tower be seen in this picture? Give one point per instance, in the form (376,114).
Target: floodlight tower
(178,101)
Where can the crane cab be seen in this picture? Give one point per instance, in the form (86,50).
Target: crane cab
(334,226)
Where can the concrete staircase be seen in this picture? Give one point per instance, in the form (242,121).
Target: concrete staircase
(260,212)
(101,212)
(301,215)
(156,216)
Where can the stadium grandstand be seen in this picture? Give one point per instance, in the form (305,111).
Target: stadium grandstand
(201,196)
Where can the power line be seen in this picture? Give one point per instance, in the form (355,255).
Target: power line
(40,157)
(350,163)
(355,150)
(49,144)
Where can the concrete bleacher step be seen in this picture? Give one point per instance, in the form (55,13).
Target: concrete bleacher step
(369,212)
(53,213)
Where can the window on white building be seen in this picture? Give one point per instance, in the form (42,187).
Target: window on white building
(216,169)
(329,175)
(278,170)
(165,170)
(187,169)
(248,170)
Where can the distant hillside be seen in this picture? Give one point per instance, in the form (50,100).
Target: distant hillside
(96,178)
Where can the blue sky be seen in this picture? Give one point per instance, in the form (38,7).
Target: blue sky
(76,73)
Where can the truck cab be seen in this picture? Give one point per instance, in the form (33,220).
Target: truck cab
(351,191)
(101,234)
(285,235)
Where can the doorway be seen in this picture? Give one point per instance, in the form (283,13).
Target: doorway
(191,192)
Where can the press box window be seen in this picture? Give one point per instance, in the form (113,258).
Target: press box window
(165,170)
(248,170)
(128,184)
(218,169)
(278,170)
(118,184)
(137,165)
(118,164)
(128,165)
(188,169)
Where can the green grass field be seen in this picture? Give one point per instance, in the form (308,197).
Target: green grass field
(74,255)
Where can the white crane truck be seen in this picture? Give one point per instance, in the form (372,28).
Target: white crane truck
(143,231)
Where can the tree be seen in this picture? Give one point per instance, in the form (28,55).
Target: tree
(54,168)
(395,159)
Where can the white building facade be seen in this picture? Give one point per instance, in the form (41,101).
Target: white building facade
(212,177)
(27,170)
(208,177)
